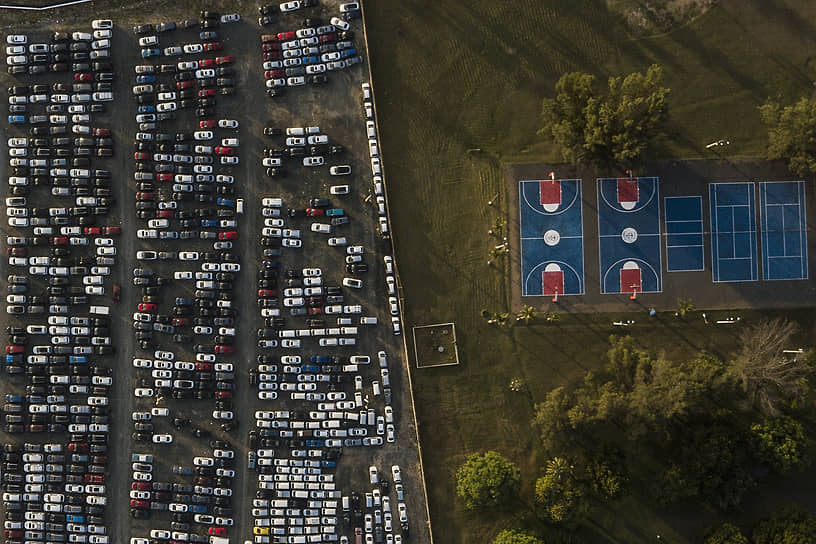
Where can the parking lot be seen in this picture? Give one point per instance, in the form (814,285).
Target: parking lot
(192,417)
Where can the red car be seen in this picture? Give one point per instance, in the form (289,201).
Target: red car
(15,349)
(184,84)
(141,156)
(228,59)
(101,132)
(216,531)
(20,251)
(204,366)
(111,230)
(134,503)
(266,38)
(94,478)
(229,235)
(202,480)
(327,38)
(274,46)
(269,74)
(264,293)
(13,533)
(59,240)
(83,76)
(206,63)
(221,150)
(165,214)
(210,123)
(314,311)
(165,177)
(273,55)
(223,395)
(206,92)
(78,446)
(219,348)
(117,292)
(286,36)
(213,46)
(145,196)
(146,307)
(92,230)
(180,321)
(141,486)
(314,212)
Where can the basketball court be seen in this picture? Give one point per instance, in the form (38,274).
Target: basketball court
(784,230)
(733,232)
(552,238)
(629,235)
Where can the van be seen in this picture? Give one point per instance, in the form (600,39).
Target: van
(239,205)
(369,320)
(376,387)
(100,310)
(295,131)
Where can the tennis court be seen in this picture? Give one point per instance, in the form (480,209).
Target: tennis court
(784,230)
(629,235)
(733,232)
(552,237)
(684,233)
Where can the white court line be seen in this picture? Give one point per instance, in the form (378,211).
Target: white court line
(43,8)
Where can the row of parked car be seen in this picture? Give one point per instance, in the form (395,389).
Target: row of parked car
(54,484)
(64,52)
(188,271)
(305,144)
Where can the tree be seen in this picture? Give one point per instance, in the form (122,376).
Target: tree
(769,378)
(512,536)
(565,115)
(781,442)
(605,477)
(559,492)
(684,306)
(619,126)
(526,314)
(487,480)
(792,133)
(726,534)
(788,525)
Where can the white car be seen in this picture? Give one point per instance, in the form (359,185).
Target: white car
(203,135)
(312,272)
(340,170)
(340,23)
(143,392)
(353,282)
(313,161)
(230,18)
(284,7)
(193,48)
(339,189)
(291,242)
(162,438)
(227,123)
(341,241)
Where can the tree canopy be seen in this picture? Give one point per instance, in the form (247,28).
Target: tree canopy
(782,443)
(726,534)
(792,133)
(617,126)
(559,492)
(486,480)
(789,525)
(512,536)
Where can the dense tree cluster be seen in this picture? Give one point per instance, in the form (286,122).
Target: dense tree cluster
(487,480)
(792,133)
(617,126)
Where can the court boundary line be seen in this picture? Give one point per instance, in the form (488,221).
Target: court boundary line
(716,231)
(801,195)
(579,193)
(701,233)
(656,191)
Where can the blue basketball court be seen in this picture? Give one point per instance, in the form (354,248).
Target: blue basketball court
(733,232)
(552,238)
(784,230)
(629,235)
(684,233)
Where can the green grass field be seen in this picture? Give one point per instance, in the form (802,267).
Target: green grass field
(459,87)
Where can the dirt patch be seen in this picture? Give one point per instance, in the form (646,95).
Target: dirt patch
(646,17)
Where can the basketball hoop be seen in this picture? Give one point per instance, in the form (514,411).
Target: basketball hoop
(555,298)
(634,292)
(552,176)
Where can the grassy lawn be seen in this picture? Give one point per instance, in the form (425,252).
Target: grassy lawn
(459,86)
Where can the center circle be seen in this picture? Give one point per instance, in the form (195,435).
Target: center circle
(629,235)
(551,237)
